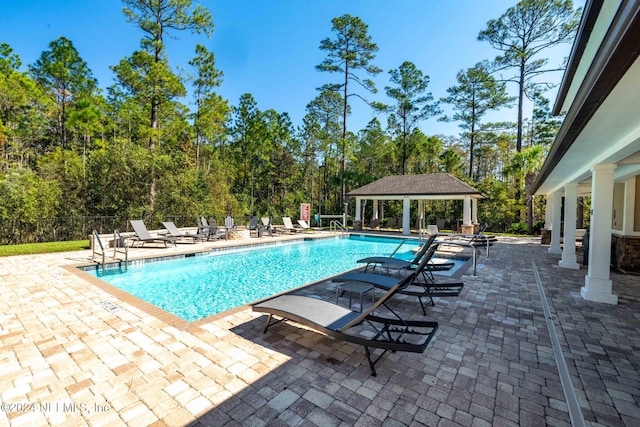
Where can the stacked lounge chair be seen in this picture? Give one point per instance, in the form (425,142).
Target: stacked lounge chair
(422,285)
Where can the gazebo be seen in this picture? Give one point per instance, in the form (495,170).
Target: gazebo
(436,186)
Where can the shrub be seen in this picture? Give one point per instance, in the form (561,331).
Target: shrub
(518,228)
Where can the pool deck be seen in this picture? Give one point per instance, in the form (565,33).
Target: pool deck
(74,354)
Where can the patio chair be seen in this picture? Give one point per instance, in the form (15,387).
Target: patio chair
(142,234)
(305,226)
(229,224)
(390,333)
(254,227)
(425,288)
(266,225)
(215,231)
(204,228)
(375,223)
(391,223)
(175,232)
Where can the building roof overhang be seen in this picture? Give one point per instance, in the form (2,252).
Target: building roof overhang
(599,93)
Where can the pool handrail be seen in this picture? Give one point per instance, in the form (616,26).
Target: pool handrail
(119,241)
(95,237)
(336,225)
(398,247)
(488,239)
(460,243)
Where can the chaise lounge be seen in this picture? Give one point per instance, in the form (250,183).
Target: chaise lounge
(178,234)
(425,288)
(389,333)
(143,235)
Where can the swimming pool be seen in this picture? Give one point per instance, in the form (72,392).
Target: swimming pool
(199,286)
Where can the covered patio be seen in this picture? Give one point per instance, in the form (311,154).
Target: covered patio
(597,150)
(437,186)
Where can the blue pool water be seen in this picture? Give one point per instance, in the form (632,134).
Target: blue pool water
(200,286)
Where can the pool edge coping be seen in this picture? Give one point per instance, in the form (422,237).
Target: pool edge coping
(80,270)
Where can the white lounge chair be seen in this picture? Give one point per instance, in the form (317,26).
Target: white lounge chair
(305,226)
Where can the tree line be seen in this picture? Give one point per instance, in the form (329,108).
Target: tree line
(135,150)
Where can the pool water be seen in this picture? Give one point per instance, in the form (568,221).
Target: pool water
(199,286)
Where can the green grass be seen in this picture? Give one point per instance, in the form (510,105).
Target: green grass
(42,248)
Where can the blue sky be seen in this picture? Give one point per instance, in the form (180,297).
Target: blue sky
(269,48)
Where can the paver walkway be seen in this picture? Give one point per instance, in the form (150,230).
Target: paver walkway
(72,354)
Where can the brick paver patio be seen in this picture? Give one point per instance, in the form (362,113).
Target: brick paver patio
(74,354)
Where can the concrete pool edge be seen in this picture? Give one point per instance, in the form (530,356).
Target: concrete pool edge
(80,270)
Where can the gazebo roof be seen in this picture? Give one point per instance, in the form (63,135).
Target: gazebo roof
(435,185)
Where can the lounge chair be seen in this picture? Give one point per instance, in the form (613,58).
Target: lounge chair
(143,235)
(288,226)
(305,226)
(175,232)
(337,321)
(425,288)
(389,262)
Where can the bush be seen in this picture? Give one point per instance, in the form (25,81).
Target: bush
(518,228)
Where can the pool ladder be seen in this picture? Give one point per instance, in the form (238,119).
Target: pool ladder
(119,245)
(336,225)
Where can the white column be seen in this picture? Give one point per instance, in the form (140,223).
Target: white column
(358,209)
(556,220)
(548,213)
(474,211)
(569,259)
(629,206)
(406,216)
(597,285)
(466,211)
(421,224)
(375,210)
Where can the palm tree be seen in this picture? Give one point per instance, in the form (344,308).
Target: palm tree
(525,166)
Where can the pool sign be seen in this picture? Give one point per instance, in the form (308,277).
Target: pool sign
(305,211)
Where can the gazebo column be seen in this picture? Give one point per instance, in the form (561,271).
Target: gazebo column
(357,218)
(406,216)
(421,224)
(467,226)
(375,210)
(597,284)
(556,221)
(569,246)
(474,211)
